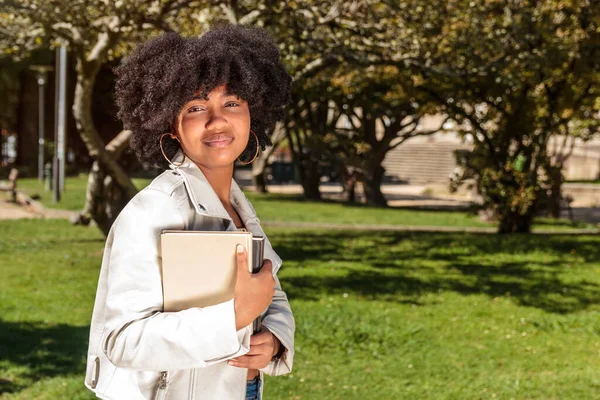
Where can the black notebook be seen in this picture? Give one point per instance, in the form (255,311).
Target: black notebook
(258,251)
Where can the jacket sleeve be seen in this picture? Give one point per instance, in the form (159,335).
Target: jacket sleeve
(280,321)
(138,334)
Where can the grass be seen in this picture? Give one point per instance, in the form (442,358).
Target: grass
(292,208)
(72,199)
(379,315)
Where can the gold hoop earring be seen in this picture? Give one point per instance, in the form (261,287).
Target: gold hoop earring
(255,154)
(162,150)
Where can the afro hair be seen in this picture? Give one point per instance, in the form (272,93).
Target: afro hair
(163,74)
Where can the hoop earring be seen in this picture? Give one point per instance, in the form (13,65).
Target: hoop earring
(162,150)
(255,154)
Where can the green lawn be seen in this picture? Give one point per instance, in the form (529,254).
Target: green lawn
(292,208)
(72,198)
(379,315)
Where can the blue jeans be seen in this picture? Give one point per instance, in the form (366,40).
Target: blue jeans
(253,389)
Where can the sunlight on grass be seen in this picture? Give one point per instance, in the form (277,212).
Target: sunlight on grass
(379,315)
(292,208)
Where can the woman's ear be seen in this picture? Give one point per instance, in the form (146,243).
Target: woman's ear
(173,131)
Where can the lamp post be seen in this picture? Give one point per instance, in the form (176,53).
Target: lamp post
(42,77)
(60,125)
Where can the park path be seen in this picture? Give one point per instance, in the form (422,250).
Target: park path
(10,210)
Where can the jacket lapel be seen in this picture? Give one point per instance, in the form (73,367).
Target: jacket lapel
(207,203)
(201,194)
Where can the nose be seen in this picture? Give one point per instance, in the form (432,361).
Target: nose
(216,121)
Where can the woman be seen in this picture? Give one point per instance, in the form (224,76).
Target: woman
(194,106)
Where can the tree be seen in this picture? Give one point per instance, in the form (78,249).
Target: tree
(560,148)
(324,40)
(513,74)
(95,31)
(260,164)
(381,110)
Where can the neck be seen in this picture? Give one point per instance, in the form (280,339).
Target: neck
(220,180)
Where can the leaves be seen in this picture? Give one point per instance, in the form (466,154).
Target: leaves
(524,72)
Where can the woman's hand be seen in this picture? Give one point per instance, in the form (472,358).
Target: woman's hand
(253,292)
(263,347)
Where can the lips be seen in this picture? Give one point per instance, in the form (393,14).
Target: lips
(218,140)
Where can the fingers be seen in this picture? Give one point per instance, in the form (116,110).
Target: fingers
(260,349)
(267,273)
(267,266)
(242,258)
(250,362)
(264,336)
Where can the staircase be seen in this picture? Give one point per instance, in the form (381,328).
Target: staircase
(422,162)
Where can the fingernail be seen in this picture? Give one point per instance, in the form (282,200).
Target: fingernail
(240,248)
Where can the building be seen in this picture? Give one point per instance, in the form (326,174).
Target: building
(431,160)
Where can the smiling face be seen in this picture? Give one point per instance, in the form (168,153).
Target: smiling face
(213,132)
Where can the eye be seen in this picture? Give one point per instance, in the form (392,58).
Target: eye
(195,109)
(232,104)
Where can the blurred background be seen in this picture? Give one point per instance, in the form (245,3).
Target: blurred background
(434,190)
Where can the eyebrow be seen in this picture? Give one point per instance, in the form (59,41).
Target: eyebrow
(227,94)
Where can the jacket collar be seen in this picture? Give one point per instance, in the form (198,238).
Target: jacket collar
(203,197)
(206,202)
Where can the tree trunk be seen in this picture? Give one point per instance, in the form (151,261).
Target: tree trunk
(259,166)
(348,176)
(310,180)
(259,181)
(555,192)
(372,186)
(307,167)
(103,201)
(512,222)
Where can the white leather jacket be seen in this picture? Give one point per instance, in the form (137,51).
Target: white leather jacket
(137,351)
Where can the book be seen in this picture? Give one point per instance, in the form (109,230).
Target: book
(258,251)
(199,268)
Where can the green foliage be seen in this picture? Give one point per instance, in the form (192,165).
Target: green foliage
(85,25)
(379,316)
(353,99)
(513,75)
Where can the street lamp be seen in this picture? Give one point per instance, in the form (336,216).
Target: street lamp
(60,125)
(42,77)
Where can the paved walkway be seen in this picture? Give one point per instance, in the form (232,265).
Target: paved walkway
(10,210)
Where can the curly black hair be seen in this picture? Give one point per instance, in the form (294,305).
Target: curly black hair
(163,74)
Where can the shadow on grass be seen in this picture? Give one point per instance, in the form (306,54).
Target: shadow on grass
(534,271)
(45,351)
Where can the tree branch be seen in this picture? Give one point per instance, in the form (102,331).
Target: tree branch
(118,144)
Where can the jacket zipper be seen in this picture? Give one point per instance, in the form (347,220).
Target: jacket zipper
(162,386)
(193,385)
